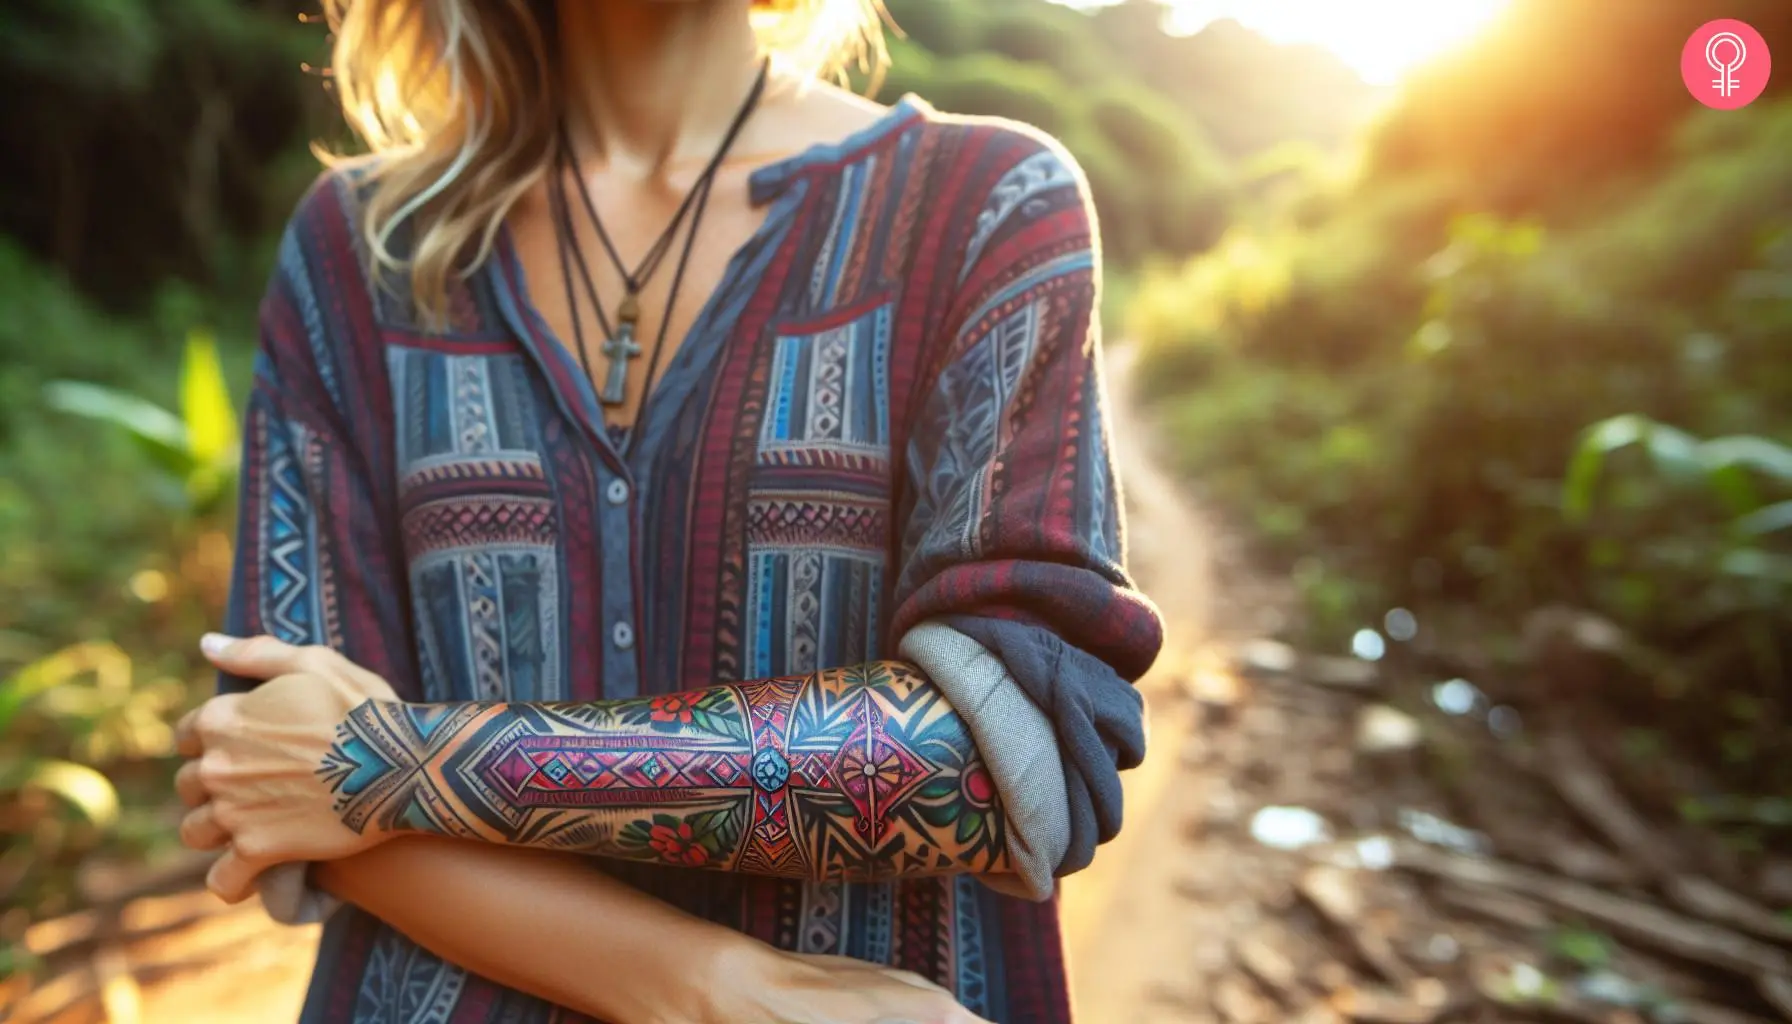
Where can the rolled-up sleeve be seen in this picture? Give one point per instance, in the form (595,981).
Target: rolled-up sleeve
(1013,596)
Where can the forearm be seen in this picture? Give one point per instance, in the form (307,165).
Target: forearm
(860,773)
(617,954)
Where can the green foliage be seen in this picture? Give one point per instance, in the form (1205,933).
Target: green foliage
(105,586)
(151,130)
(1245,93)
(99,45)
(1722,466)
(1045,36)
(1583,947)
(1155,185)
(1142,112)
(197,449)
(996,86)
(70,723)
(1692,542)
(1418,403)
(944,27)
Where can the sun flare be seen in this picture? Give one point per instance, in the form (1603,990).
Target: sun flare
(1381,39)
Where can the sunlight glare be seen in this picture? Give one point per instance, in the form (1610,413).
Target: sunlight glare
(1381,39)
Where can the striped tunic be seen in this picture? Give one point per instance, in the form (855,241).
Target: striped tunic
(887,417)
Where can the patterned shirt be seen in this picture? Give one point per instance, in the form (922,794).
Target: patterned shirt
(887,419)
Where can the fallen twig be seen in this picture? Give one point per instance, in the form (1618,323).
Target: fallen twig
(1337,895)
(1586,788)
(1709,900)
(1263,959)
(1366,1006)
(1642,922)
(1777,990)
(1497,905)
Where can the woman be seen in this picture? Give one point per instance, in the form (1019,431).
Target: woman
(678,537)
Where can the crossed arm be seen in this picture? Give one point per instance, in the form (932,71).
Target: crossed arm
(860,773)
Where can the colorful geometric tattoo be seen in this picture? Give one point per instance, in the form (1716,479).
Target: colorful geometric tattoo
(859,773)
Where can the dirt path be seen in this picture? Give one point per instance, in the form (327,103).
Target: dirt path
(1124,929)
(1131,935)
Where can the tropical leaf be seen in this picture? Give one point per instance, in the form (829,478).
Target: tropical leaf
(1769,458)
(1753,564)
(206,409)
(158,431)
(111,665)
(82,787)
(1722,464)
(1763,521)
(1733,486)
(1596,443)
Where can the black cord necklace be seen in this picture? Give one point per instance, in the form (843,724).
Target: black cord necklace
(619,343)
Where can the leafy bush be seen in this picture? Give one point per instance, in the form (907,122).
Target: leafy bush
(80,726)
(1397,394)
(113,558)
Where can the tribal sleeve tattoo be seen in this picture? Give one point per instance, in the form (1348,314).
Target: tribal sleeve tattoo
(860,774)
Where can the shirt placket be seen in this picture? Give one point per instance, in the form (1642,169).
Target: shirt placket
(616,543)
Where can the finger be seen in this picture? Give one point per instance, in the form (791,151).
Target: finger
(186,735)
(200,830)
(232,877)
(189,786)
(257,657)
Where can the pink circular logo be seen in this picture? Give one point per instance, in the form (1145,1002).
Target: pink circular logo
(1725,64)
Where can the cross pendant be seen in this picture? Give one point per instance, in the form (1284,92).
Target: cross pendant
(619,350)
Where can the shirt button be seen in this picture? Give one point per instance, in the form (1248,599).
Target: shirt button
(617,492)
(622,635)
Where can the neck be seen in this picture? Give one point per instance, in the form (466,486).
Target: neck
(651,84)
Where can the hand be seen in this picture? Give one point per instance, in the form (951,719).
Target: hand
(253,783)
(797,988)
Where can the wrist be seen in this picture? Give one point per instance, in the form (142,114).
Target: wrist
(375,750)
(713,974)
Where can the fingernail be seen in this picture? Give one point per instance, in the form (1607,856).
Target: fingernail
(216,643)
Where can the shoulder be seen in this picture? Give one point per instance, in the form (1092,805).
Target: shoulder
(1015,204)
(322,252)
(1012,193)
(1002,143)
(326,221)
(960,159)
(317,312)
(329,249)
(1001,158)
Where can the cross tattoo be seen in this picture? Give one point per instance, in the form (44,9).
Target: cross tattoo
(619,350)
(769,773)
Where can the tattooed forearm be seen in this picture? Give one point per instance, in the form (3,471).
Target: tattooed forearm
(859,773)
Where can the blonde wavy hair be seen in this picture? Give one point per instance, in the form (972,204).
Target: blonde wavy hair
(460,100)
